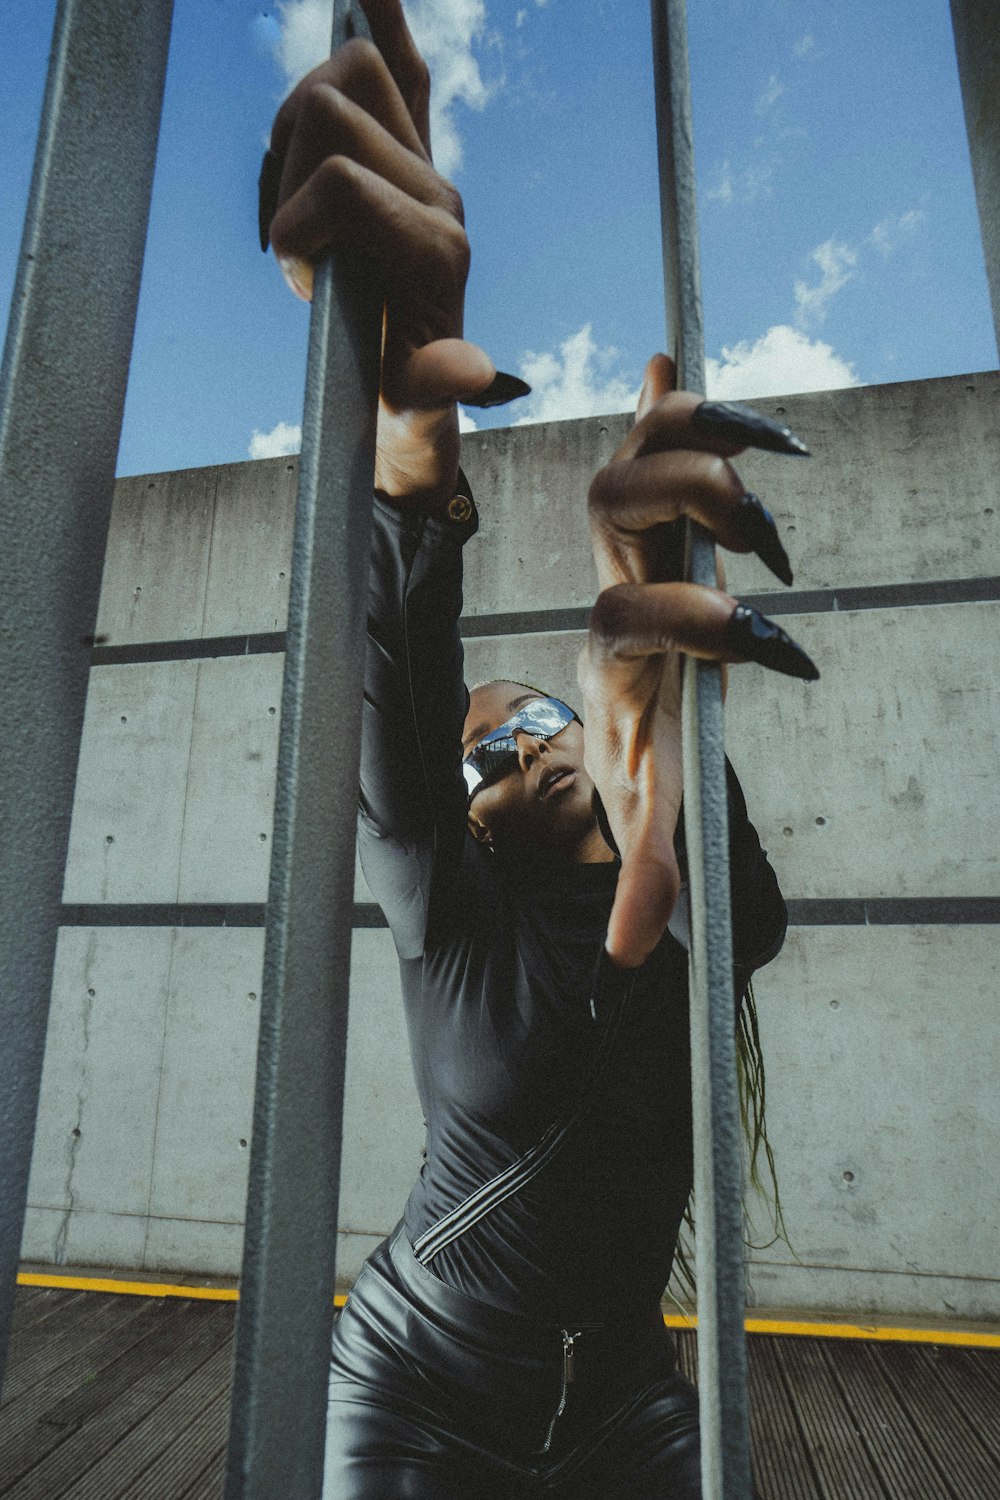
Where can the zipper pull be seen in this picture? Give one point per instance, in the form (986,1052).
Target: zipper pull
(569,1371)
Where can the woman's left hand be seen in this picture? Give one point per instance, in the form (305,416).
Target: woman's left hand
(675,463)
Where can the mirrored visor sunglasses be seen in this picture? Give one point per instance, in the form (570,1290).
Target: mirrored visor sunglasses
(496,753)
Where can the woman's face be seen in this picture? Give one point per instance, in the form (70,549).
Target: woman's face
(548,798)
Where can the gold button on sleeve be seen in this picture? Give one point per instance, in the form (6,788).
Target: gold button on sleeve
(459,508)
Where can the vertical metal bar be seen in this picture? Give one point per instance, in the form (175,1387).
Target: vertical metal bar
(277,1427)
(976,24)
(725,1427)
(62,391)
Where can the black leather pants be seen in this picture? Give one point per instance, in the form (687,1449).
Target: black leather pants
(434,1396)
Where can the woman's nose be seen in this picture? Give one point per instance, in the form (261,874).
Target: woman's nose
(528,748)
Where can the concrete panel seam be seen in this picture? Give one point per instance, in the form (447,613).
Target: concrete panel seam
(924,595)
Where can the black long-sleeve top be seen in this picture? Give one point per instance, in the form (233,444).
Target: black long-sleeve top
(497,963)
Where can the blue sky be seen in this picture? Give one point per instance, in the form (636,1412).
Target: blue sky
(840,242)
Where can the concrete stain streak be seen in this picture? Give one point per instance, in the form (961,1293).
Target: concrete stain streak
(76,1133)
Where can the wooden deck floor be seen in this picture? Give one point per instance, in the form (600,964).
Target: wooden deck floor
(112,1397)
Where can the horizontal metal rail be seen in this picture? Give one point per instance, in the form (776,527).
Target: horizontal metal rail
(62,392)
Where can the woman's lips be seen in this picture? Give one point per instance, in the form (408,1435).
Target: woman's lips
(553,780)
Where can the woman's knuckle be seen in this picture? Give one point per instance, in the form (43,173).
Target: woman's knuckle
(452,200)
(612,614)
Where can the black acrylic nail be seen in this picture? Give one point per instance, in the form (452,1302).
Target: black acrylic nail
(758,639)
(268,186)
(502,388)
(738,424)
(755,524)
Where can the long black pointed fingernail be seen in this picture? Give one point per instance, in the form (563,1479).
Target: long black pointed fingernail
(501,389)
(738,424)
(268,185)
(757,638)
(755,524)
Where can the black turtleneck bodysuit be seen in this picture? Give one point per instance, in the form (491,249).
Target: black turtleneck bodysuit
(497,963)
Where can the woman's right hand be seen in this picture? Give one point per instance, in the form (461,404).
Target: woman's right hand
(350,165)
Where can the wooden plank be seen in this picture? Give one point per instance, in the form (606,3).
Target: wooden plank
(903,1463)
(208,1485)
(27,1336)
(782,1469)
(141,1450)
(941,1422)
(181,1465)
(839,1455)
(27,1440)
(80,1325)
(156,1397)
(967,1376)
(687,1353)
(28,1432)
(32,1303)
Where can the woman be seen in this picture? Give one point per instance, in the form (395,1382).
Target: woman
(507,1340)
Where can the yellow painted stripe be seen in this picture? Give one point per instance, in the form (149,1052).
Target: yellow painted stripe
(968,1340)
(137,1288)
(672,1320)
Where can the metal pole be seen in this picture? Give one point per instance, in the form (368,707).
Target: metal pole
(62,391)
(725,1425)
(283,1332)
(976,24)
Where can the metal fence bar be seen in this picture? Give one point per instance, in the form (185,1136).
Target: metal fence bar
(725,1426)
(62,392)
(976,24)
(286,1306)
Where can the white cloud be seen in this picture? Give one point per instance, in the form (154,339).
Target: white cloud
(445,31)
(725,192)
(752,183)
(782,361)
(892,230)
(805,48)
(772,93)
(836,263)
(579,382)
(284,438)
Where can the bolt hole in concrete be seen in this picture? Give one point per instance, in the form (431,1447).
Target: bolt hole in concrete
(788,832)
(124,718)
(251,995)
(110,839)
(834,1004)
(780,410)
(243,1144)
(988,511)
(272,710)
(820,822)
(263,838)
(91,993)
(75,1132)
(848,1176)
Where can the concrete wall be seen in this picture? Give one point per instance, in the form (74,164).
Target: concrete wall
(875,792)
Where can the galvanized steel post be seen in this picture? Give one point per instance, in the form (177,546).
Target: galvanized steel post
(289,1259)
(725,1427)
(62,392)
(976,25)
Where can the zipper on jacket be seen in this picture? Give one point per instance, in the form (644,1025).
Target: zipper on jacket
(568,1376)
